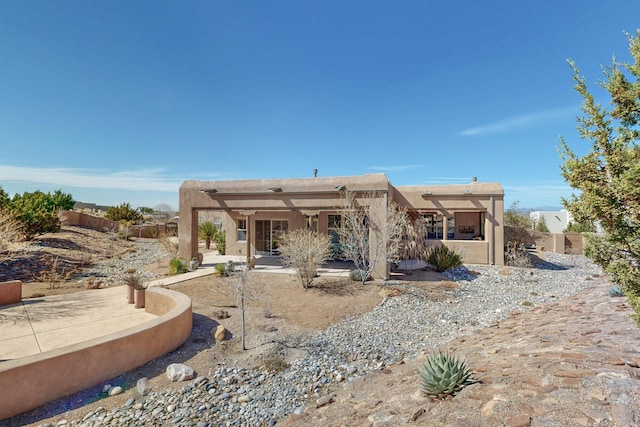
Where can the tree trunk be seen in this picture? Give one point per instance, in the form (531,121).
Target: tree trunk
(244,347)
(208,243)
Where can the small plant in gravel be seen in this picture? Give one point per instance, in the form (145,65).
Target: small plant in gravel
(134,281)
(616,291)
(359,275)
(177,265)
(275,364)
(442,258)
(444,375)
(516,255)
(55,272)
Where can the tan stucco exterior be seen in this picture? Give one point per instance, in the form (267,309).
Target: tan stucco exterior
(477,209)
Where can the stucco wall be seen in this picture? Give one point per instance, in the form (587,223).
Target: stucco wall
(102,224)
(31,381)
(10,292)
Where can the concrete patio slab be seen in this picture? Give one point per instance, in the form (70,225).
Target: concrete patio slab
(37,325)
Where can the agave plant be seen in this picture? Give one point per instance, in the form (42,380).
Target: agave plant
(444,375)
(616,291)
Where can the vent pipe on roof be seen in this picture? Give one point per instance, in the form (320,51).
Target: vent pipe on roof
(315,173)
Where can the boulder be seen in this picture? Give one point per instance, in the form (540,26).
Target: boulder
(142,385)
(220,333)
(179,372)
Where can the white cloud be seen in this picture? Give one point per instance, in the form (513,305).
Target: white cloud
(521,121)
(140,180)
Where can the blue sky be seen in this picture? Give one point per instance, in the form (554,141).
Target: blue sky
(121,101)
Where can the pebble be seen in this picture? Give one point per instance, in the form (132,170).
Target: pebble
(400,328)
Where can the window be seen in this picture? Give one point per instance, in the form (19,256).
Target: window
(434,226)
(242,230)
(470,225)
(217,222)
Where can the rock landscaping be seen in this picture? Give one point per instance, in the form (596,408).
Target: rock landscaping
(549,345)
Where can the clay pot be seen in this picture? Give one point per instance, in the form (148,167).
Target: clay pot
(130,295)
(140,298)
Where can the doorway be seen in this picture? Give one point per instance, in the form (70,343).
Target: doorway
(268,234)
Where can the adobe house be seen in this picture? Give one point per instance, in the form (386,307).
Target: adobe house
(254,213)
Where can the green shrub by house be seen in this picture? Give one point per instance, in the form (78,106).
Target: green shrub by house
(442,258)
(178,266)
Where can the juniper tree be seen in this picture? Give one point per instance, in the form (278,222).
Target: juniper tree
(608,177)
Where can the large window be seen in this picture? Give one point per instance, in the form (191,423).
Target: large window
(242,230)
(470,226)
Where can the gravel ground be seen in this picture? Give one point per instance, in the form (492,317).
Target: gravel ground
(114,270)
(398,328)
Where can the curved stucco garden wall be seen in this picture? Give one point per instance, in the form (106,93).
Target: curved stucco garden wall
(29,382)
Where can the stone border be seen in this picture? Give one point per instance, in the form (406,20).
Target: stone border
(32,381)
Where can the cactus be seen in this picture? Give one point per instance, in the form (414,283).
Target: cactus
(444,375)
(616,291)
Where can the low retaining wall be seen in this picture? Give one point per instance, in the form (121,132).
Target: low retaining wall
(31,381)
(10,292)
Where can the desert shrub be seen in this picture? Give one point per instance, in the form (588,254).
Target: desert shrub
(221,270)
(10,229)
(38,211)
(358,275)
(516,255)
(55,272)
(178,265)
(123,212)
(170,245)
(221,314)
(275,364)
(151,233)
(442,258)
(616,291)
(220,240)
(134,281)
(206,232)
(444,375)
(304,250)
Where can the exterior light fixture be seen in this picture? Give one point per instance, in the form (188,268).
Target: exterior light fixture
(213,190)
(340,187)
(275,189)
(427,192)
(467,191)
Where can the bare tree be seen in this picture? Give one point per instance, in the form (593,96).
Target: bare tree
(170,245)
(304,250)
(370,232)
(10,231)
(414,241)
(164,210)
(242,288)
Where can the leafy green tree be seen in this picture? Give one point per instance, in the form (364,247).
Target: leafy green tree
(581,227)
(608,177)
(123,212)
(207,231)
(37,211)
(541,225)
(5,200)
